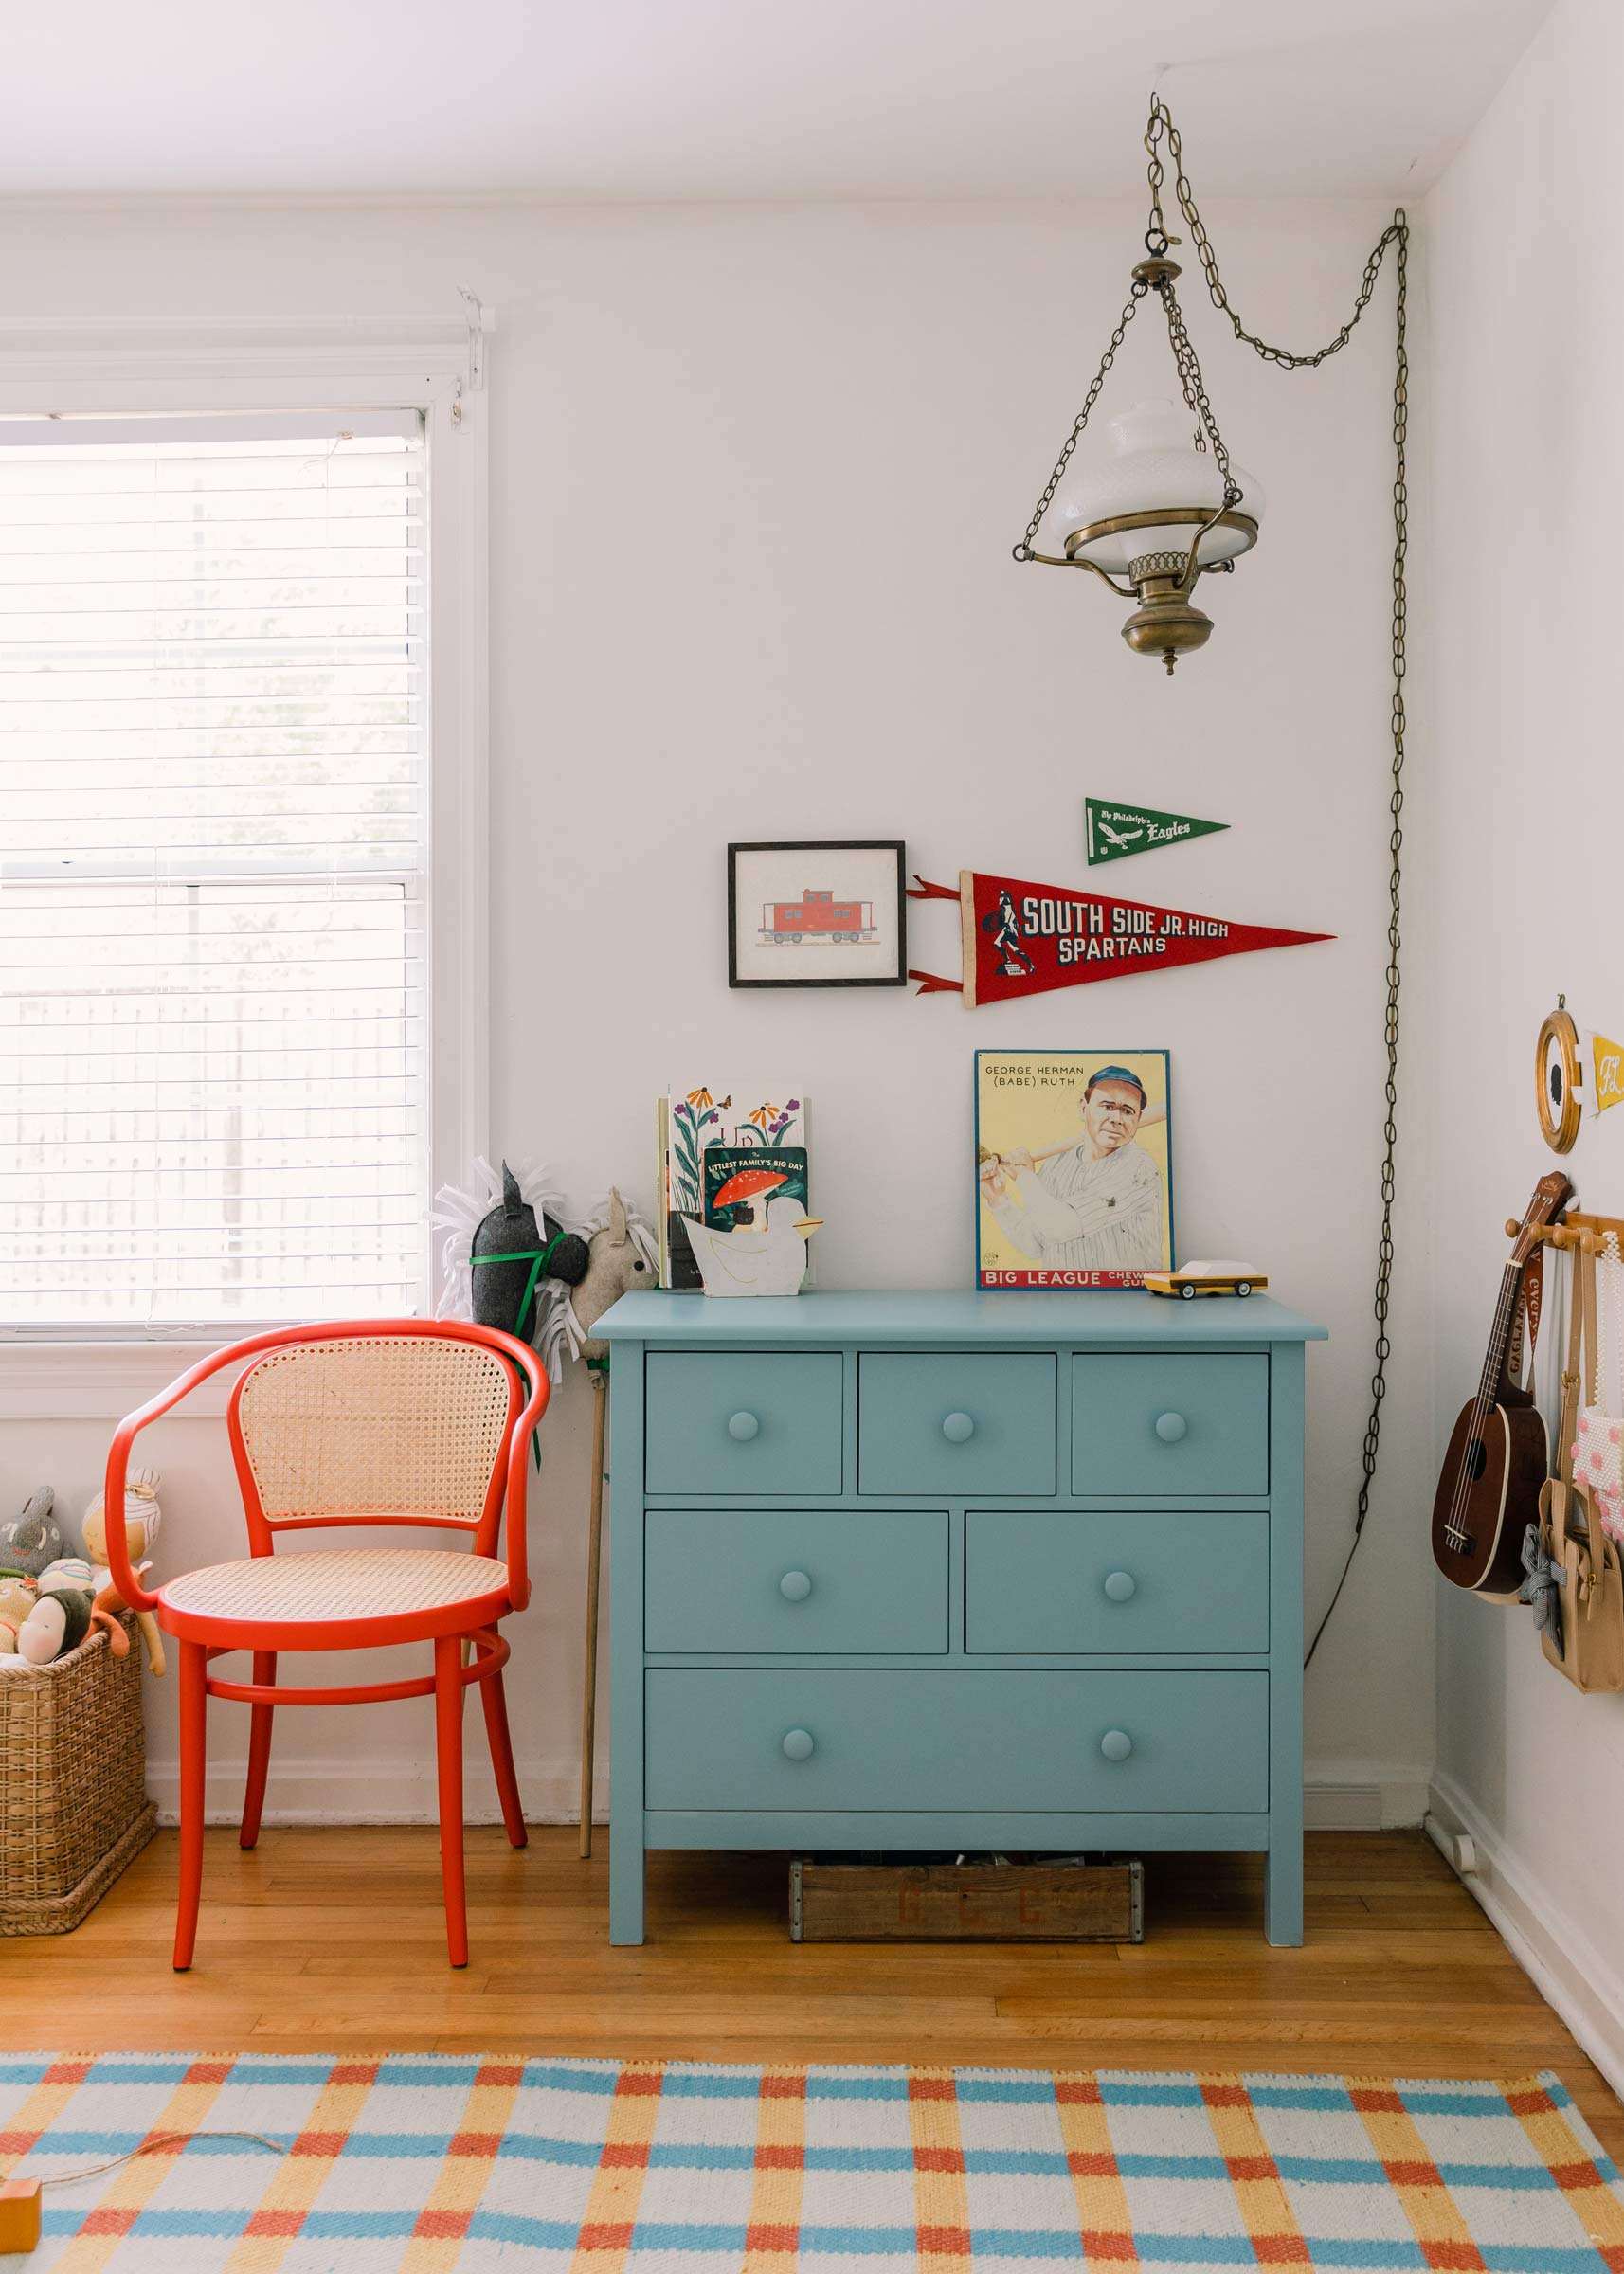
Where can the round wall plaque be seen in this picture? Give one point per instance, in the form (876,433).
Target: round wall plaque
(1558,1077)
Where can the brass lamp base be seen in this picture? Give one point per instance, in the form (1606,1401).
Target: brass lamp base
(1166,622)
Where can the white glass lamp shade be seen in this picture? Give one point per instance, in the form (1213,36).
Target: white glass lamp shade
(1152,464)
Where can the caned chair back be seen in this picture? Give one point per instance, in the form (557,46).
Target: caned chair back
(386,1427)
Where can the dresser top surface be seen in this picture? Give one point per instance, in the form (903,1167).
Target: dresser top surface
(1123,1319)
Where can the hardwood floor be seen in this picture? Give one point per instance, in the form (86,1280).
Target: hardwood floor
(331,1940)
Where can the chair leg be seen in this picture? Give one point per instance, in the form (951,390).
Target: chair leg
(194,1702)
(448,1737)
(495,1700)
(259,1751)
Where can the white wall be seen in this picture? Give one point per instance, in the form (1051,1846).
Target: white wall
(755,476)
(1521,640)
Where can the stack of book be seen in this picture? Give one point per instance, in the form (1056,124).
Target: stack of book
(719,1142)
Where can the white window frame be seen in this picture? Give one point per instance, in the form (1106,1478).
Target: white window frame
(437,366)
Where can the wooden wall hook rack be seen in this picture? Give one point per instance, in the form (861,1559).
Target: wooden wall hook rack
(1577,1232)
(1556,1235)
(1598,1225)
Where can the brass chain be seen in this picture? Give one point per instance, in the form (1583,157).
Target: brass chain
(1398,234)
(1190,380)
(1023,551)
(1196,393)
(1159,125)
(1161,129)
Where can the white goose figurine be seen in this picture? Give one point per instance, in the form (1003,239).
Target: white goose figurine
(755,1260)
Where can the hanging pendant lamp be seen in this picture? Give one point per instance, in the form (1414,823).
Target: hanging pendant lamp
(1160,513)
(1167,506)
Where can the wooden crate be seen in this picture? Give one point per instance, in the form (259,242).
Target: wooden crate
(966,1902)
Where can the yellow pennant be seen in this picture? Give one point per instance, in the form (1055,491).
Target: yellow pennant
(1609,1061)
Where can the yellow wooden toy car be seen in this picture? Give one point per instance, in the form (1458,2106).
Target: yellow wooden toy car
(1193,1279)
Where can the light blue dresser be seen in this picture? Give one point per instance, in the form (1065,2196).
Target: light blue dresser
(1014,1571)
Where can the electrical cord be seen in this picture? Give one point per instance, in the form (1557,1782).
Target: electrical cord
(158,2139)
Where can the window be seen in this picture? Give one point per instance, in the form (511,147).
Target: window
(214,810)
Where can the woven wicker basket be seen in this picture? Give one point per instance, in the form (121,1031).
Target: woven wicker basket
(73,1800)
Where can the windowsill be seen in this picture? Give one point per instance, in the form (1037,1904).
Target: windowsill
(102,1381)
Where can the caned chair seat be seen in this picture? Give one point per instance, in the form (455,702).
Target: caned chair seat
(330,1587)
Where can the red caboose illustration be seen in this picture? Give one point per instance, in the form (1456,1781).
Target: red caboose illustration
(818,915)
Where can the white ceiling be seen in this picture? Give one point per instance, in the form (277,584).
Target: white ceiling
(738,99)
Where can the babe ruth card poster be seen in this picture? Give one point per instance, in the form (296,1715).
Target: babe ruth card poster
(1074,1174)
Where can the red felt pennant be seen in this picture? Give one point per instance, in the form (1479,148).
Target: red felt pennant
(1023,939)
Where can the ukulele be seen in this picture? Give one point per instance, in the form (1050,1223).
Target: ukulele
(1499,1454)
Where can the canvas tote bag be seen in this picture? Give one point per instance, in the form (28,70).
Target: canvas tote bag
(1589,1648)
(1598,1450)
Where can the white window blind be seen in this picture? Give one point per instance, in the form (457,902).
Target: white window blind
(212,864)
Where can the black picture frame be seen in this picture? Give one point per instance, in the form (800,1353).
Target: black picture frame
(828,845)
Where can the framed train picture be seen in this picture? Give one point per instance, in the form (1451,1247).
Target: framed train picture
(1073,1178)
(823,914)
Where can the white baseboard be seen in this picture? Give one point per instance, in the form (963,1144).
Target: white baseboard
(1571,1972)
(351,1791)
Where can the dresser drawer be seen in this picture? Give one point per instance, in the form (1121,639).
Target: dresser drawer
(737,1422)
(1142,1427)
(956,1422)
(802,1583)
(1187,1743)
(1040,1583)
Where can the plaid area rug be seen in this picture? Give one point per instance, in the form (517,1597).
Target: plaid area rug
(435,2165)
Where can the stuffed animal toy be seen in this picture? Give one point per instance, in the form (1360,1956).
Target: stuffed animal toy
(67,1571)
(60,1621)
(511,1251)
(504,1261)
(34,1539)
(17,1598)
(142,1517)
(56,1624)
(621,1256)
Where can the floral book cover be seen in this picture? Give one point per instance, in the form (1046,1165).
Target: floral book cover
(764,1119)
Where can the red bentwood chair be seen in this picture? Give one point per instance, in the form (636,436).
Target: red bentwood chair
(380,1421)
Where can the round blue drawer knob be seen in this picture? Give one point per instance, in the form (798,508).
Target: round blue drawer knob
(742,1427)
(1115,1744)
(1170,1427)
(798,1746)
(958,1428)
(1120,1586)
(795,1586)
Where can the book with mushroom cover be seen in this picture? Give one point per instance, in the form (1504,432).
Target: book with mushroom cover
(763,1118)
(741,1180)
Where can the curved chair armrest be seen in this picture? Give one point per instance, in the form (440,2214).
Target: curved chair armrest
(520,1354)
(532,1370)
(118,1565)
